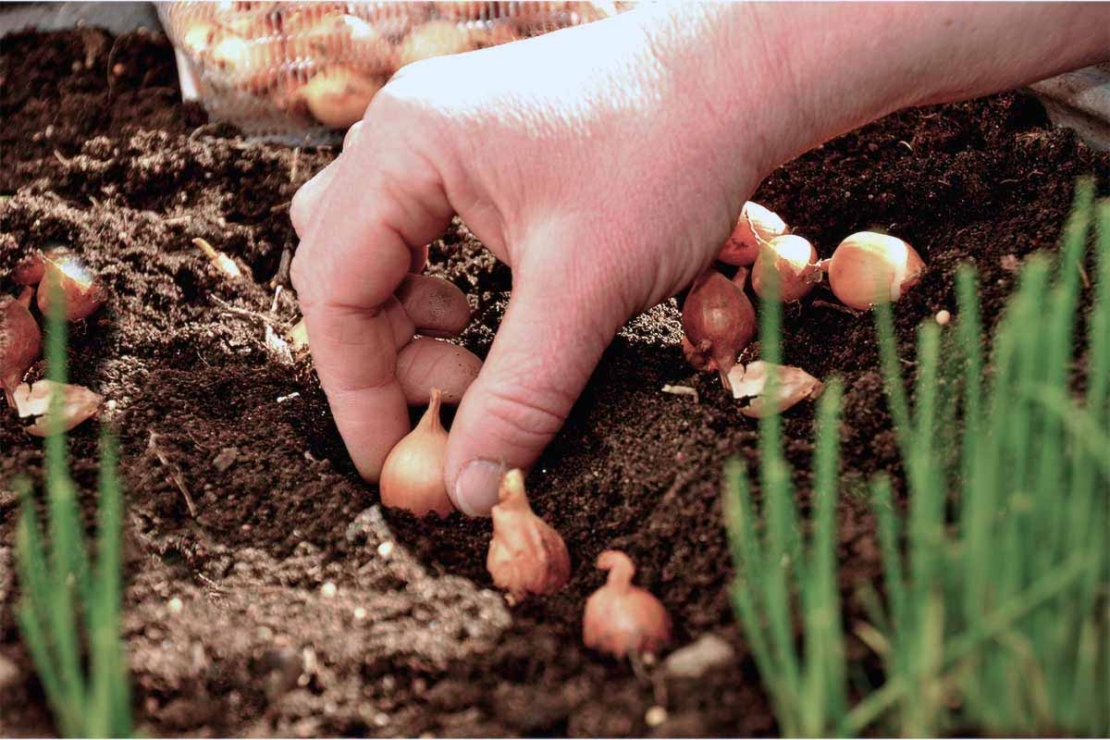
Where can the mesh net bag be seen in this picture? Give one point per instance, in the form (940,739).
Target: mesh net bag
(302,71)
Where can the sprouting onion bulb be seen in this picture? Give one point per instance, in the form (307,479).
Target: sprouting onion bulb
(755,227)
(869,268)
(412,476)
(20,342)
(621,618)
(791,260)
(719,321)
(79,288)
(526,556)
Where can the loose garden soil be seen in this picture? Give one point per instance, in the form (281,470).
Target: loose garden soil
(228,628)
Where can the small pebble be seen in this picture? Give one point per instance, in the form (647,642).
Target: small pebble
(360,614)
(385,549)
(706,653)
(655,716)
(175,605)
(943,317)
(328,590)
(118,69)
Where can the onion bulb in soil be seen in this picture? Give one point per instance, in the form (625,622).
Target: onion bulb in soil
(621,618)
(794,261)
(20,341)
(412,475)
(29,270)
(79,288)
(869,268)
(756,226)
(338,96)
(526,556)
(719,322)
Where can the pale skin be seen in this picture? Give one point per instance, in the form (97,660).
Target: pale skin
(606,165)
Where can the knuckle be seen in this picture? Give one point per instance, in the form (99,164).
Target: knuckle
(524,415)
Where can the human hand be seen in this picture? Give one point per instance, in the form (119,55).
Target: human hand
(605,165)
(582,160)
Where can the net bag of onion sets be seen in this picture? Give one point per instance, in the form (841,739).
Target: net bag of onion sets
(301,71)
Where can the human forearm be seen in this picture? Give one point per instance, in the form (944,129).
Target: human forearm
(788,76)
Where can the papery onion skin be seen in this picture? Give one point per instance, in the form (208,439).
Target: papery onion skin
(20,342)
(81,290)
(794,259)
(622,619)
(412,475)
(869,268)
(526,555)
(719,321)
(756,226)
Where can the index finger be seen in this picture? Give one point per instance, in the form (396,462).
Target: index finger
(377,207)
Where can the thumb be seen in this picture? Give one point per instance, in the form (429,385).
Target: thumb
(549,342)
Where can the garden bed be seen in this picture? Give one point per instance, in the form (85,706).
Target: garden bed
(229,627)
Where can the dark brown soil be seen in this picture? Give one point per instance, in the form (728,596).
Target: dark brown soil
(229,630)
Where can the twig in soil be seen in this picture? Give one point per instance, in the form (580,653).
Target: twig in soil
(175,473)
(58,156)
(281,206)
(818,303)
(682,390)
(211,584)
(274,303)
(296,163)
(108,67)
(200,130)
(282,276)
(290,397)
(244,311)
(219,259)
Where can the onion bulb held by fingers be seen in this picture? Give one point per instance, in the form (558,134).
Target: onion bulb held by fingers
(719,321)
(756,226)
(621,618)
(525,555)
(792,261)
(869,268)
(412,476)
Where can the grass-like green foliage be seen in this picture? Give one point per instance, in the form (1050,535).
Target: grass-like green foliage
(64,595)
(994,611)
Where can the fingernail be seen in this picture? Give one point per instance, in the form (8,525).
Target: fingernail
(476,487)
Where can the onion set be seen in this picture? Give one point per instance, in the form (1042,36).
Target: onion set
(869,268)
(412,475)
(719,321)
(792,261)
(620,618)
(755,227)
(65,275)
(20,341)
(526,556)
